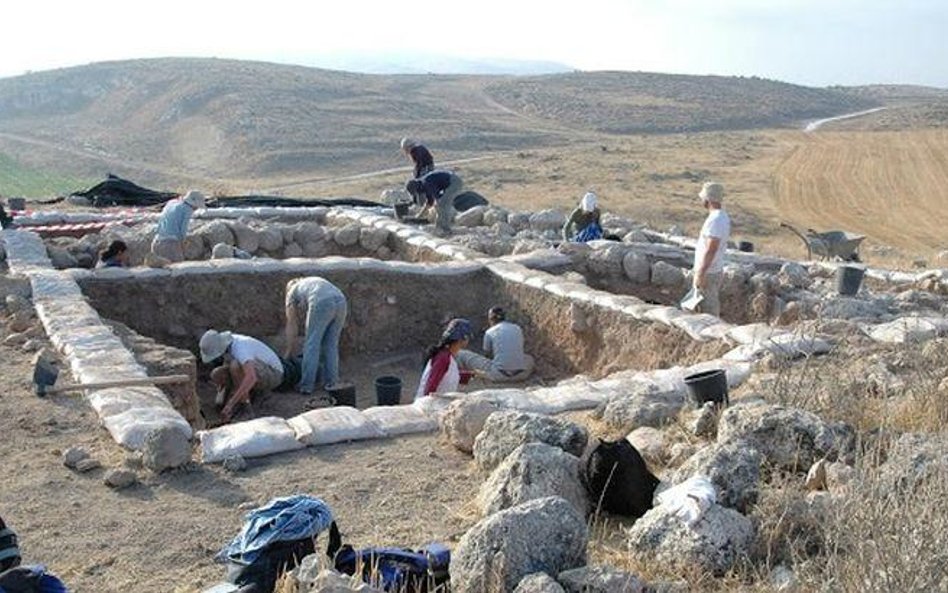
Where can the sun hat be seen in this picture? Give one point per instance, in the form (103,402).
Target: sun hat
(214,344)
(458,329)
(711,192)
(407,143)
(194,198)
(588,202)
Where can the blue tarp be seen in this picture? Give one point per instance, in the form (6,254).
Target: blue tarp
(282,519)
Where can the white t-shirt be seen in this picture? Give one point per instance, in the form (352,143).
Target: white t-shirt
(718,225)
(504,341)
(244,349)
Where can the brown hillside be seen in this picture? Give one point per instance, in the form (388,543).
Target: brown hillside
(172,121)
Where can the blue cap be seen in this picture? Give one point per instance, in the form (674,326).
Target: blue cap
(458,329)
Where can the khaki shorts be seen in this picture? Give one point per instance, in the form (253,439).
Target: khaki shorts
(268,378)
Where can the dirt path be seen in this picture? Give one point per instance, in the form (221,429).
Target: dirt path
(817,124)
(160,536)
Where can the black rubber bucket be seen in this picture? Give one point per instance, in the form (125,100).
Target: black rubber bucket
(401,210)
(745,246)
(388,391)
(343,394)
(708,386)
(849,279)
(18,204)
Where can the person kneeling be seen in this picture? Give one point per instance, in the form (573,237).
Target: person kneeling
(249,367)
(504,342)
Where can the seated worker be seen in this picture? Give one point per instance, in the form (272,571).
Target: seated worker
(173,226)
(15,578)
(420,157)
(115,255)
(437,187)
(442,374)
(321,307)
(504,342)
(583,224)
(6,221)
(249,367)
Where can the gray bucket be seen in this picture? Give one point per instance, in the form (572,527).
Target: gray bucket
(848,279)
(708,386)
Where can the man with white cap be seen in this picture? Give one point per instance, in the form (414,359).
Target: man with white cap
(583,223)
(173,226)
(249,367)
(711,249)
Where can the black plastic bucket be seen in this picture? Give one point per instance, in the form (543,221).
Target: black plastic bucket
(708,386)
(745,246)
(18,204)
(388,390)
(401,210)
(849,279)
(343,394)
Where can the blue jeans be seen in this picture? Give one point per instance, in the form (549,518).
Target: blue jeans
(324,321)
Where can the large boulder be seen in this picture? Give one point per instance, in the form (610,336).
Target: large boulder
(607,261)
(545,535)
(600,579)
(793,275)
(270,239)
(532,471)
(506,430)
(636,267)
(912,459)
(519,220)
(464,420)
(547,220)
(316,248)
(714,543)
(61,258)
(495,215)
(166,447)
(247,238)
(665,274)
(471,217)
(538,582)
(650,442)
(644,407)
(371,238)
(216,232)
(733,467)
(789,438)
(348,235)
(309,232)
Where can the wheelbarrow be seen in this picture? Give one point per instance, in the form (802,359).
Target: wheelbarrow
(830,244)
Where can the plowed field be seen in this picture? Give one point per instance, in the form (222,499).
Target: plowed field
(890,186)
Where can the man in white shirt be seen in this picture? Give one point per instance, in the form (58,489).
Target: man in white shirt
(711,249)
(249,366)
(503,341)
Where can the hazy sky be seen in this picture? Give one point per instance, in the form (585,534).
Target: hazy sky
(816,42)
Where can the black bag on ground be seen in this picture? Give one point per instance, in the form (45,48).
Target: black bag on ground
(617,478)
(261,575)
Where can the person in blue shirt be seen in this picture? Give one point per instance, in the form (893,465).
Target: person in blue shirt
(438,188)
(115,255)
(173,226)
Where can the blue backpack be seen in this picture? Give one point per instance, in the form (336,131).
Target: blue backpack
(398,569)
(30,579)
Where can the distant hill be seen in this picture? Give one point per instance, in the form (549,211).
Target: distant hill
(896,93)
(169,120)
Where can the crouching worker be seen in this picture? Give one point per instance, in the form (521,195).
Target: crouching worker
(505,360)
(249,367)
(321,307)
(442,373)
(438,188)
(583,224)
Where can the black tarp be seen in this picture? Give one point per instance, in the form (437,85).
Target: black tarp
(282,202)
(115,191)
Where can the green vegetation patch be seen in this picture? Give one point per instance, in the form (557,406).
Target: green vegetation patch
(17,179)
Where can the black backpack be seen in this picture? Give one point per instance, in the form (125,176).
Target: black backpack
(617,478)
(260,576)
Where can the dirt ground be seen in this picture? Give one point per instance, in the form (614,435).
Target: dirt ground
(161,534)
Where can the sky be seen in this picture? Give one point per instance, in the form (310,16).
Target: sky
(812,42)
